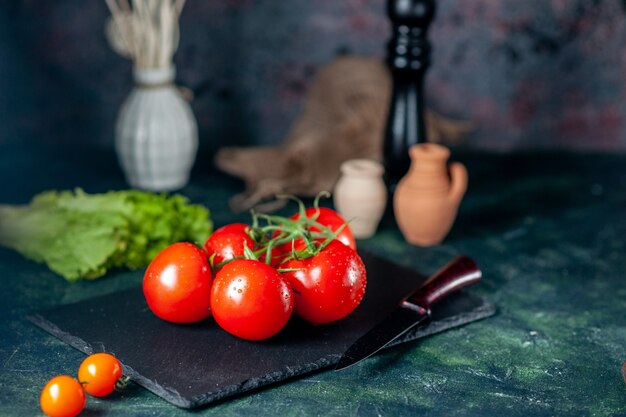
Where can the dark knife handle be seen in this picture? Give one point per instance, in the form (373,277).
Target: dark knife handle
(458,273)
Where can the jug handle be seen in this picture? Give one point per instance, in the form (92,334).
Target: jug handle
(458,181)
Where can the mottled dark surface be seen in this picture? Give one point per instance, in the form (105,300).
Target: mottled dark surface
(548,229)
(172,360)
(532,73)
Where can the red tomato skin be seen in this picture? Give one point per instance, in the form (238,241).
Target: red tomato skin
(251,300)
(177,284)
(227,242)
(328,286)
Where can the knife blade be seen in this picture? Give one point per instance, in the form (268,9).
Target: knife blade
(413,309)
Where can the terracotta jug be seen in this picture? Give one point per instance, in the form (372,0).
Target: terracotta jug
(428,196)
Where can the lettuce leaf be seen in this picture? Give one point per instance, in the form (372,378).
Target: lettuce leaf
(80,235)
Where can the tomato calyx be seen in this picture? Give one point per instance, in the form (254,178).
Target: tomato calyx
(212,262)
(122,383)
(279,239)
(302,235)
(313,244)
(247,254)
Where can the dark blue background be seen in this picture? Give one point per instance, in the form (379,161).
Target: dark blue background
(532,73)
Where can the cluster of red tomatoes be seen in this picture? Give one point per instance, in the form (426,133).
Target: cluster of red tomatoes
(252,278)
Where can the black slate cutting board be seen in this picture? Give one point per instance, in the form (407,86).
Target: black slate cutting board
(193,365)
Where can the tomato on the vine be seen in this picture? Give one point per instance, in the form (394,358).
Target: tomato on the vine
(99,373)
(177,284)
(333,220)
(228,242)
(62,396)
(329,285)
(326,217)
(250,299)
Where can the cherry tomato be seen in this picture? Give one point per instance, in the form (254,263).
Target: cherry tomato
(251,300)
(227,242)
(328,286)
(326,217)
(99,373)
(63,396)
(177,284)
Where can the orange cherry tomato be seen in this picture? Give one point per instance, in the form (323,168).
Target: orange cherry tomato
(63,396)
(99,373)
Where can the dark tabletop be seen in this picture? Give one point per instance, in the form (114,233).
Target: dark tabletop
(549,230)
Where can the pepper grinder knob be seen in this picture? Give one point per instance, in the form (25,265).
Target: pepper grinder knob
(408,57)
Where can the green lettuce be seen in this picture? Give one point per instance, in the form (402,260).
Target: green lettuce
(80,235)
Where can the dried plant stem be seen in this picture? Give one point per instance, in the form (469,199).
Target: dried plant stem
(179,6)
(147,31)
(125,6)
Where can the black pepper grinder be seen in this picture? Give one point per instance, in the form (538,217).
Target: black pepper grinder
(408,57)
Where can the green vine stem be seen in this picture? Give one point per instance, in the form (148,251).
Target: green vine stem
(271,231)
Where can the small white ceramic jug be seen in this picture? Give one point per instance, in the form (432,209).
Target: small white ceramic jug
(156,133)
(360,195)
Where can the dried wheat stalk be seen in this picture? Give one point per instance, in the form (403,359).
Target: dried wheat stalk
(145,31)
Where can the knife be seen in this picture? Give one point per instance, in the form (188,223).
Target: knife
(413,309)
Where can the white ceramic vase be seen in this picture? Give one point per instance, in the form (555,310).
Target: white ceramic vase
(360,195)
(156,136)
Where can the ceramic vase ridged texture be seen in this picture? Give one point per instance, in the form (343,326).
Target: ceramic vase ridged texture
(360,195)
(156,133)
(427,198)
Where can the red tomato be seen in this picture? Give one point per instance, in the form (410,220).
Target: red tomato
(63,396)
(99,373)
(328,286)
(327,217)
(251,300)
(227,242)
(177,284)
(276,258)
